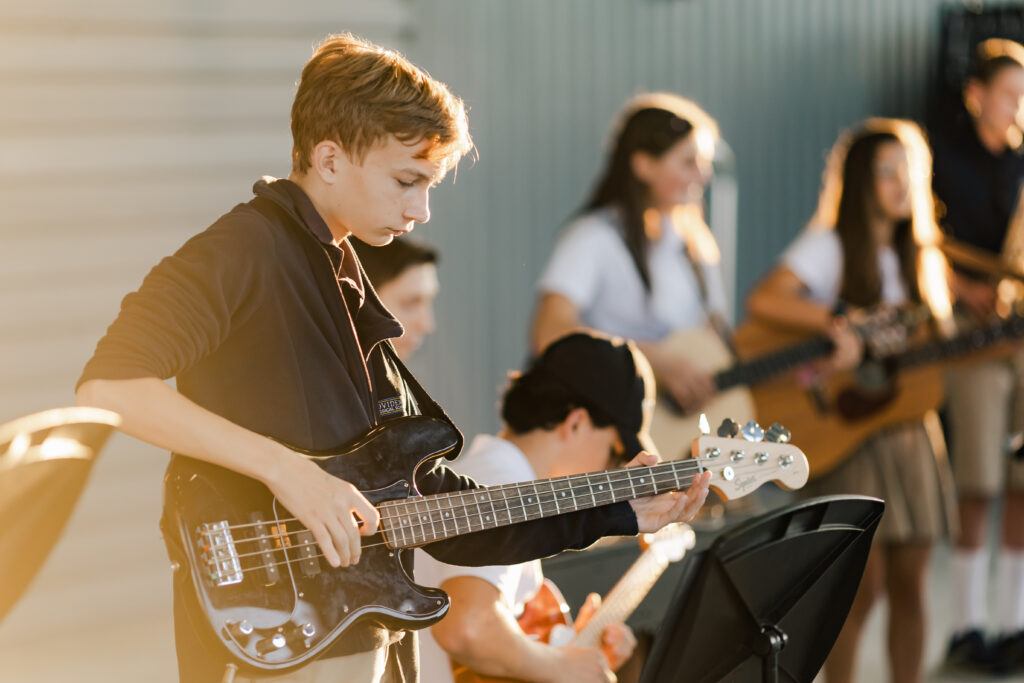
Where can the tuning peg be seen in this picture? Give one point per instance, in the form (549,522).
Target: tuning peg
(702,424)
(728,429)
(777,434)
(752,431)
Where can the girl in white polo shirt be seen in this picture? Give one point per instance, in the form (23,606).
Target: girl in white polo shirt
(638,261)
(870,245)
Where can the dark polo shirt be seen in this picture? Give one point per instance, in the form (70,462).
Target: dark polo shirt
(265,321)
(977,189)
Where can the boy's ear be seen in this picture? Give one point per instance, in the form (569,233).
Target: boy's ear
(325,160)
(574,421)
(973,91)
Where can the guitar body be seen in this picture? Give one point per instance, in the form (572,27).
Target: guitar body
(273,604)
(542,614)
(673,431)
(833,418)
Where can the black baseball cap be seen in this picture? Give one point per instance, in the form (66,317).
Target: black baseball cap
(610,375)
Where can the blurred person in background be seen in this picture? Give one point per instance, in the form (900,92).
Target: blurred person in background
(864,249)
(404,273)
(979,167)
(638,260)
(582,406)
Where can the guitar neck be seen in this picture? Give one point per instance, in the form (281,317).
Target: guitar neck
(962,344)
(769,365)
(623,598)
(420,520)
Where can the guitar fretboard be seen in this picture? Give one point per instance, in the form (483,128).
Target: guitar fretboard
(772,364)
(623,599)
(424,519)
(971,340)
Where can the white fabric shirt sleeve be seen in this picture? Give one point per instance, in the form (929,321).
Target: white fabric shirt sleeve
(576,264)
(816,258)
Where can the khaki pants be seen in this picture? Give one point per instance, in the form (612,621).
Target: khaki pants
(985,405)
(362,667)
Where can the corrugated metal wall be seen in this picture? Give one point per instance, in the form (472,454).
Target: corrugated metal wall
(125,127)
(543,79)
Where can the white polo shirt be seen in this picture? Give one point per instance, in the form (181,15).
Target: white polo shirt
(489,460)
(816,258)
(592,267)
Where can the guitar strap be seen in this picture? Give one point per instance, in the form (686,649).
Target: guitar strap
(715,320)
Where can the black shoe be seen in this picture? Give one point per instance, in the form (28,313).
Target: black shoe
(969,650)
(1007,653)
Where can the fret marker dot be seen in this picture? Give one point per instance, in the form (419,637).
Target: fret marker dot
(600,487)
(447,514)
(529,500)
(487,517)
(641,480)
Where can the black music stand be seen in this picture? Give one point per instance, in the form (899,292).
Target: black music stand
(45,460)
(767,600)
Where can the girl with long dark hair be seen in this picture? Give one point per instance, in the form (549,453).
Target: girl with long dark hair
(871,244)
(979,168)
(638,261)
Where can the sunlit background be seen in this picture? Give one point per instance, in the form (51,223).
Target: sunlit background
(126,127)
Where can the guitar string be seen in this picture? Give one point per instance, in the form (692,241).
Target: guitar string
(630,478)
(435,538)
(318,555)
(671,479)
(615,475)
(388,504)
(508,510)
(419,527)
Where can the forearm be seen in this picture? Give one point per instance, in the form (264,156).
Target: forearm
(480,633)
(537,538)
(797,314)
(498,647)
(781,299)
(157,414)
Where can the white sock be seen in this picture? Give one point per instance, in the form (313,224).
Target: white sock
(1010,584)
(970,577)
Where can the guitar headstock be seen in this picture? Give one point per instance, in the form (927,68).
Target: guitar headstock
(742,459)
(670,543)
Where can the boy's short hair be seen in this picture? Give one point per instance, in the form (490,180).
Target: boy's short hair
(384,264)
(357,93)
(994,55)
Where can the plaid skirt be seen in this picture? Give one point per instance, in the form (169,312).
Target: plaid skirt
(906,466)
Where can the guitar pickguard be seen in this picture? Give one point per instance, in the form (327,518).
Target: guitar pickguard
(262,588)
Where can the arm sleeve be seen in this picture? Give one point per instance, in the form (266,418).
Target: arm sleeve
(527,540)
(817,261)
(186,305)
(575,265)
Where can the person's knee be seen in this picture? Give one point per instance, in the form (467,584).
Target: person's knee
(906,576)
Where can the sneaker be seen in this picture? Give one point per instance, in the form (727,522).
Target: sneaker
(1007,653)
(969,650)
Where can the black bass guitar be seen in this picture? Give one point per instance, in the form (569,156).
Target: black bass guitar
(274,604)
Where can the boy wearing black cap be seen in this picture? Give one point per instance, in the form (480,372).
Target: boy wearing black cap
(582,406)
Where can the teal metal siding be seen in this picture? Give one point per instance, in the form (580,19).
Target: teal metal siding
(544,78)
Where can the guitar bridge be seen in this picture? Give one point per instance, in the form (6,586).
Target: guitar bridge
(218,553)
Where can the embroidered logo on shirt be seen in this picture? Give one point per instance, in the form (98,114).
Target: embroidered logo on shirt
(389,406)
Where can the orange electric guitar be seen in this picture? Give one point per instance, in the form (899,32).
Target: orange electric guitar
(546,617)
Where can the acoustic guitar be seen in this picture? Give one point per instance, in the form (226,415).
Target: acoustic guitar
(897,383)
